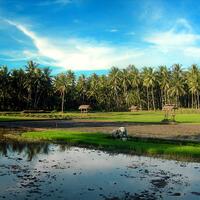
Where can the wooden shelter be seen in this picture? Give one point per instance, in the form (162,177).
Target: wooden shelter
(84,108)
(169,111)
(134,108)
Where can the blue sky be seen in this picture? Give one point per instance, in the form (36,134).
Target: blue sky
(92,35)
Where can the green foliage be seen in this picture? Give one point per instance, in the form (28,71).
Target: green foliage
(148,88)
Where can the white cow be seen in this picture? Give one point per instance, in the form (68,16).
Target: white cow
(120,133)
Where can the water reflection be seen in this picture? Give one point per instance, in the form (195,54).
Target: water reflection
(30,150)
(57,171)
(50,171)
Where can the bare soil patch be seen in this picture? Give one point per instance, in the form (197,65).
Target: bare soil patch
(190,132)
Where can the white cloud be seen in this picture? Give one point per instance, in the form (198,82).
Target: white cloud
(151,12)
(78,54)
(193,52)
(113,30)
(176,45)
(58,2)
(183,25)
(131,33)
(172,39)
(180,40)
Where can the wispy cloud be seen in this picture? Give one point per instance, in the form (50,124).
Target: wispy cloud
(177,44)
(179,38)
(151,11)
(54,2)
(78,54)
(171,39)
(113,30)
(131,33)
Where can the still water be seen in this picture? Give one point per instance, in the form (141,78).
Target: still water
(50,171)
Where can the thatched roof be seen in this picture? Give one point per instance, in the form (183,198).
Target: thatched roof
(169,107)
(134,107)
(84,107)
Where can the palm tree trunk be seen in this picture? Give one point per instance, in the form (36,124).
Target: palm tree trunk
(188,102)
(138,91)
(162,97)
(63,99)
(177,101)
(192,101)
(148,98)
(153,98)
(168,101)
(195,100)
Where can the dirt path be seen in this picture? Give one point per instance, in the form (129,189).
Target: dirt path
(179,131)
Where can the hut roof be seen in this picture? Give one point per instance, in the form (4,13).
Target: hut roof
(133,107)
(84,107)
(169,107)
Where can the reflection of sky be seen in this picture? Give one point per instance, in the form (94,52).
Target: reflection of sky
(89,169)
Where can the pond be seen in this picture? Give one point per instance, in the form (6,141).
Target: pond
(53,171)
(57,171)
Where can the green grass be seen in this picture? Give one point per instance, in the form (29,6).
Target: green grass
(182,116)
(138,117)
(106,142)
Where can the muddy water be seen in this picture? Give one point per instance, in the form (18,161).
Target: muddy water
(49,171)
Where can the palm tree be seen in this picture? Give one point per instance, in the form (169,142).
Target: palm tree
(4,87)
(60,84)
(178,82)
(93,88)
(19,92)
(125,82)
(149,80)
(45,87)
(70,90)
(193,83)
(82,88)
(32,78)
(114,82)
(104,92)
(135,82)
(164,83)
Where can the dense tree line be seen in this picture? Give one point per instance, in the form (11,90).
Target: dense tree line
(148,88)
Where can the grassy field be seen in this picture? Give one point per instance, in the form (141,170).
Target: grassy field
(106,142)
(186,116)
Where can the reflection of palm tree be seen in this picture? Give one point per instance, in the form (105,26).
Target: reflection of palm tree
(29,149)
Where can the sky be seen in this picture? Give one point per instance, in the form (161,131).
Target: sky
(94,35)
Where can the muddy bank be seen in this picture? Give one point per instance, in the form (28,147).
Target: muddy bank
(189,132)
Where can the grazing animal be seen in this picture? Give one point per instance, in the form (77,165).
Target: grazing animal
(120,133)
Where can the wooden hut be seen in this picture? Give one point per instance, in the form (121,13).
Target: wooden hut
(169,111)
(134,108)
(84,108)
